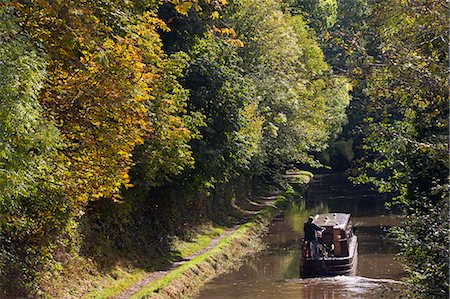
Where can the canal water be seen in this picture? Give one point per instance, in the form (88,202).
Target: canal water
(274,273)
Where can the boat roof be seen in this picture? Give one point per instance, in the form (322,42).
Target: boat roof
(336,220)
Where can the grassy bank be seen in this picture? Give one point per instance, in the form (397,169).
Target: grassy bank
(186,279)
(122,278)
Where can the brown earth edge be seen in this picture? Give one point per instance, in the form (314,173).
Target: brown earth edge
(224,253)
(149,277)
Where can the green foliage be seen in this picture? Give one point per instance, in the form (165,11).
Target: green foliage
(406,134)
(166,151)
(396,54)
(112,138)
(272,68)
(301,104)
(320,14)
(233,128)
(339,155)
(425,250)
(99,76)
(27,140)
(32,210)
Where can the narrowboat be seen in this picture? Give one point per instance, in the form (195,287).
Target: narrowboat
(338,248)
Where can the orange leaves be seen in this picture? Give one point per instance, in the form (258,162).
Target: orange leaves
(235,42)
(184,7)
(111,88)
(225,31)
(117,92)
(102,110)
(215,15)
(232,40)
(14,4)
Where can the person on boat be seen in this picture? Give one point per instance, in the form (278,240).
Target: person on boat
(320,244)
(310,230)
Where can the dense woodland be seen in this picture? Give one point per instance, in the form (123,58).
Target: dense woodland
(124,123)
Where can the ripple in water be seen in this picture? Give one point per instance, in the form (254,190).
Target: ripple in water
(348,287)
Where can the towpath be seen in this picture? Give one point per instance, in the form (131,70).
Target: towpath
(151,276)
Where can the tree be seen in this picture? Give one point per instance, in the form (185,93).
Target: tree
(105,86)
(319,14)
(406,135)
(221,92)
(294,83)
(81,85)
(33,212)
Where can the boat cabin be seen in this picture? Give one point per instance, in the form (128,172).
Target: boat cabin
(338,231)
(337,247)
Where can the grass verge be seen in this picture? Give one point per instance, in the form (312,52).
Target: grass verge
(121,279)
(186,279)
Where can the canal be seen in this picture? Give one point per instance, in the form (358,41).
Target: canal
(274,273)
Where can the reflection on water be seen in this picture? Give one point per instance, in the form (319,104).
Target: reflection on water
(347,287)
(275,272)
(297,214)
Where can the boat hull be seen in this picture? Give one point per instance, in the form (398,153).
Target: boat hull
(330,266)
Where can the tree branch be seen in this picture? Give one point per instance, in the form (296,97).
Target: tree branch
(443,148)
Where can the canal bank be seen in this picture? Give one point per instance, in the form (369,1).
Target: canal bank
(226,251)
(274,272)
(184,280)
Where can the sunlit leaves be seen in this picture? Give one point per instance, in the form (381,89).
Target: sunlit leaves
(28,142)
(320,14)
(281,56)
(250,135)
(406,135)
(184,7)
(220,91)
(93,104)
(166,151)
(107,95)
(105,119)
(32,208)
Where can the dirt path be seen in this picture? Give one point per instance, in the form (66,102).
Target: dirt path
(160,273)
